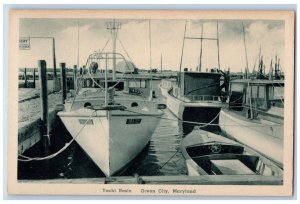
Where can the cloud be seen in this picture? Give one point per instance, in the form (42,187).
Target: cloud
(166,40)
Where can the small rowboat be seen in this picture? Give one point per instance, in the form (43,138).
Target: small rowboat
(210,154)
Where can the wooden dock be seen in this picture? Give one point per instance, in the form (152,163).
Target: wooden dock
(172,180)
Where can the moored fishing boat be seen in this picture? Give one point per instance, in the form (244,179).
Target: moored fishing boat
(197,96)
(256,108)
(210,154)
(111,121)
(112,115)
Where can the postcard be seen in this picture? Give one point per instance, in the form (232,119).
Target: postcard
(150,102)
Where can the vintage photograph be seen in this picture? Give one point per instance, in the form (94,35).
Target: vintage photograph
(151,102)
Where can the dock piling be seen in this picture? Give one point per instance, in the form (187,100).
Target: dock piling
(44,101)
(34,78)
(63,81)
(25,78)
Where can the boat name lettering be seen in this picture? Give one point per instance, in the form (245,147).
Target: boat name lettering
(133,121)
(86,121)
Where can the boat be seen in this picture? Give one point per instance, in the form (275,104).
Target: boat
(256,108)
(209,154)
(112,115)
(196,96)
(109,119)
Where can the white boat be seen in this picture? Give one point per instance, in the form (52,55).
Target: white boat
(110,119)
(195,97)
(210,154)
(260,119)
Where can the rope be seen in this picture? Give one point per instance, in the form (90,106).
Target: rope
(169,159)
(124,49)
(59,151)
(237,99)
(202,124)
(105,45)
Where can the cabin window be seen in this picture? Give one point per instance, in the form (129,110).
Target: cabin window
(88,83)
(261,92)
(254,92)
(278,92)
(137,84)
(271,92)
(237,87)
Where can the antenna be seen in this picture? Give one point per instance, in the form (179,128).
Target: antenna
(114,27)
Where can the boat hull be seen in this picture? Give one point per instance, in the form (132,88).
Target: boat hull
(199,160)
(113,138)
(266,139)
(196,111)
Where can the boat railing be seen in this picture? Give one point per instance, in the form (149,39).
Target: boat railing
(204,98)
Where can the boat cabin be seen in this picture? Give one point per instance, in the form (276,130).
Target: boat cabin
(132,85)
(260,95)
(195,86)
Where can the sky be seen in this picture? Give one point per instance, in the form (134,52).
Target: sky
(83,37)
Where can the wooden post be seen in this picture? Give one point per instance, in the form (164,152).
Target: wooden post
(75,76)
(63,81)
(44,101)
(25,78)
(34,78)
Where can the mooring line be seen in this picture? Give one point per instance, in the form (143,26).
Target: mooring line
(59,151)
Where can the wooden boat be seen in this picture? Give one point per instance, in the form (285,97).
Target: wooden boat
(210,154)
(196,96)
(110,119)
(256,108)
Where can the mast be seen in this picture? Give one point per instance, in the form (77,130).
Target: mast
(247,69)
(151,88)
(201,41)
(218,44)
(114,27)
(77,44)
(106,83)
(250,91)
(161,62)
(182,46)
